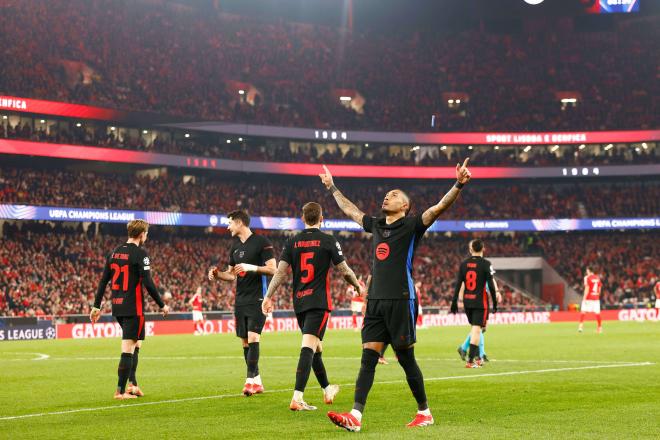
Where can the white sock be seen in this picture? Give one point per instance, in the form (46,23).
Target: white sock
(426,412)
(298,396)
(357,414)
(257,380)
(249,380)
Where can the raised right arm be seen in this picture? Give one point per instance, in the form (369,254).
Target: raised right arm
(348,207)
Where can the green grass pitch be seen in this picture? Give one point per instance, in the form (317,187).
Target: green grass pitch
(545,381)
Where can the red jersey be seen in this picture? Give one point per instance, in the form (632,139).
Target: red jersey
(593,284)
(354,295)
(656,289)
(197,303)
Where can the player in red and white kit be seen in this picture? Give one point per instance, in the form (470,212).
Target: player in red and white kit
(591,299)
(418,291)
(357,302)
(198,318)
(656,291)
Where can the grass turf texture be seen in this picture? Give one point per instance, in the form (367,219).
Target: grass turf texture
(497,401)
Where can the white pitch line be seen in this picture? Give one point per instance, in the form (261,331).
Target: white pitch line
(453,359)
(224,396)
(40,356)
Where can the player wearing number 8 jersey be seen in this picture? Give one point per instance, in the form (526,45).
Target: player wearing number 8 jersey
(391,309)
(128,268)
(475,281)
(591,299)
(310,255)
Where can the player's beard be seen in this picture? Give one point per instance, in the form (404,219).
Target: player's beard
(388,211)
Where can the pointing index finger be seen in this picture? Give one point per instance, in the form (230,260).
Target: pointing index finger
(465,162)
(327,171)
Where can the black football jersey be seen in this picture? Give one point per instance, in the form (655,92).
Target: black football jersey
(310,255)
(476,273)
(128,269)
(251,286)
(394,247)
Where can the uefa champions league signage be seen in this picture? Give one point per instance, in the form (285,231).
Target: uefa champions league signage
(27,212)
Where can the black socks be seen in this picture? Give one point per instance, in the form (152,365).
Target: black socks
(319,370)
(365,378)
(253,360)
(123,371)
(131,377)
(304,368)
(474,352)
(413,376)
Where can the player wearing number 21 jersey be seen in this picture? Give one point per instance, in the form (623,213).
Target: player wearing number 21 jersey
(591,299)
(310,254)
(128,269)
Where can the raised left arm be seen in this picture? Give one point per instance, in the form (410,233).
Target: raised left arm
(463,176)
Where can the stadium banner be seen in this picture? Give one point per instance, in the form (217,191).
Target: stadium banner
(99,154)
(42,107)
(39,330)
(227,326)
(68,110)
(67,214)
(387,137)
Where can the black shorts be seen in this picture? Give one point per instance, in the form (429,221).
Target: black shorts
(132,327)
(248,318)
(391,321)
(313,322)
(477,316)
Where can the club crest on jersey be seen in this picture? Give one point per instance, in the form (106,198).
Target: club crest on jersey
(387,233)
(241,254)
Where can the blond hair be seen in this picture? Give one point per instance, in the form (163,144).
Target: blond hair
(137,227)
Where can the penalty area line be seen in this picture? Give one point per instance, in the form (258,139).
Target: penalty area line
(226,396)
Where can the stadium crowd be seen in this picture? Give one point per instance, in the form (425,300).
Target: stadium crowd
(54,269)
(181,60)
(282,197)
(274,150)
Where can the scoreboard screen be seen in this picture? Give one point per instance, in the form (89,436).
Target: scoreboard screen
(610,6)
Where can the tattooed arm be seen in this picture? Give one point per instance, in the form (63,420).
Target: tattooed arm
(348,207)
(463,176)
(278,279)
(349,276)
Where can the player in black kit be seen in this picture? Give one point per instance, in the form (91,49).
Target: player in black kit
(310,254)
(392,303)
(474,275)
(251,261)
(129,268)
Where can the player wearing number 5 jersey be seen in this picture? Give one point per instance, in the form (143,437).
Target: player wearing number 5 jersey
(591,299)
(475,281)
(128,268)
(310,255)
